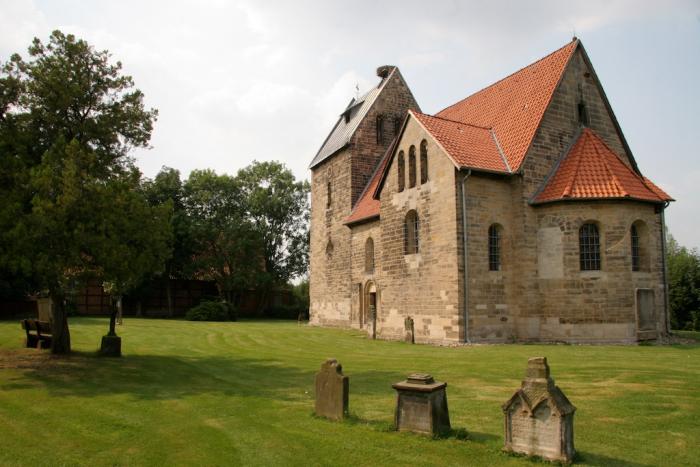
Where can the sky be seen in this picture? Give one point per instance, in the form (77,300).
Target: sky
(237,81)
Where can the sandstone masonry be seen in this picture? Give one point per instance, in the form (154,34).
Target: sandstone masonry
(373,264)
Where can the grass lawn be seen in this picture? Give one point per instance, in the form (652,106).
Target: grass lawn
(189,393)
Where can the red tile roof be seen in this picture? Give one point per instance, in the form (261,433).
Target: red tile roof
(467,145)
(591,170)
(513,107)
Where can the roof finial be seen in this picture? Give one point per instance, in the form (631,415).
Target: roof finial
(574,38)
(357,91)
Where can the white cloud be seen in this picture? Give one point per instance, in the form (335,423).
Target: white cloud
(240,80)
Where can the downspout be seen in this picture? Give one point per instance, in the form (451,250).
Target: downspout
(464,246)
(664,269)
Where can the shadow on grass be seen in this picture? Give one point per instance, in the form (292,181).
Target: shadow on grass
(155,377)
(594,459)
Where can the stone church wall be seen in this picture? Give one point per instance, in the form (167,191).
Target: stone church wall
(392,104)
(595,306)
(331,286)
(423,285)
(329,281)
(491,307)
(542,293)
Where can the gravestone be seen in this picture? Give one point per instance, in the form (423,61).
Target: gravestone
(421,405)
(539,419)
(332,389)
(409,328)
(44,308)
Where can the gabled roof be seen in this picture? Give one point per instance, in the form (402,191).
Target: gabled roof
(348,122)
(591,170)
(467,145)
(514,106)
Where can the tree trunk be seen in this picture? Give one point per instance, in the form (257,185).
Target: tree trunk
(60,335)
(113,319)
(263,299)
(169,295)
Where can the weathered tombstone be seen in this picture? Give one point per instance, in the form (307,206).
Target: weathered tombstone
(332,389)
(409,328)
(539,419)
(44,307)
(421,405)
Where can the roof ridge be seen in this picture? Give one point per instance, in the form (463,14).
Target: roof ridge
(454,121)
(614,178)
(500,150)
(372,94)
(574,174)
(575,40)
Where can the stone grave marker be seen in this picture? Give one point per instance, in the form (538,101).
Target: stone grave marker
(421,405)
(332,389)
(539,419)
(410,330)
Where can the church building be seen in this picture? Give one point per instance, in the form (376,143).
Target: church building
(516,214)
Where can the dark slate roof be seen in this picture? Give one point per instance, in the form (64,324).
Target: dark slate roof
(343,130)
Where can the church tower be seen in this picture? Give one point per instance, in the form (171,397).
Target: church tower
(340,171)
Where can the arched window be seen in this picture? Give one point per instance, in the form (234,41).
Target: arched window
(402,171)
(328,195)
(411,233)
(411,166)
(634,236)
(589,247)
(369,255)
(329,249)
(380,129)
(423,162)
(495,247)
(639,249)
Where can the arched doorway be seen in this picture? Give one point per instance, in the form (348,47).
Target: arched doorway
(369,309)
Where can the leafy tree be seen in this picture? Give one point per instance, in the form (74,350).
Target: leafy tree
(68,121)
(167,189)
(684,285)
(226,247)
(278,209)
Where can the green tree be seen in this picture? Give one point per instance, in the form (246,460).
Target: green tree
(226,247)
(167,189)
(69,119)
(684,285)
(278,209)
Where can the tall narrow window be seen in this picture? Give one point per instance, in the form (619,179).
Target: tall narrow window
(634,235)
(401,171)
(369,255)
(494,248)
(411,233)
(589,247)
(423,162)
(380,129)
(412,166)
(328,195)
(397,125)
(582,114)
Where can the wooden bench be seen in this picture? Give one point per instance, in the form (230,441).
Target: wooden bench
(41,337)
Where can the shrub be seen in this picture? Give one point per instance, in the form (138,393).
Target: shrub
(212,311)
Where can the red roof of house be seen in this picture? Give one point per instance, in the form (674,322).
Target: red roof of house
(513,107)
(467,145)
(591,170)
